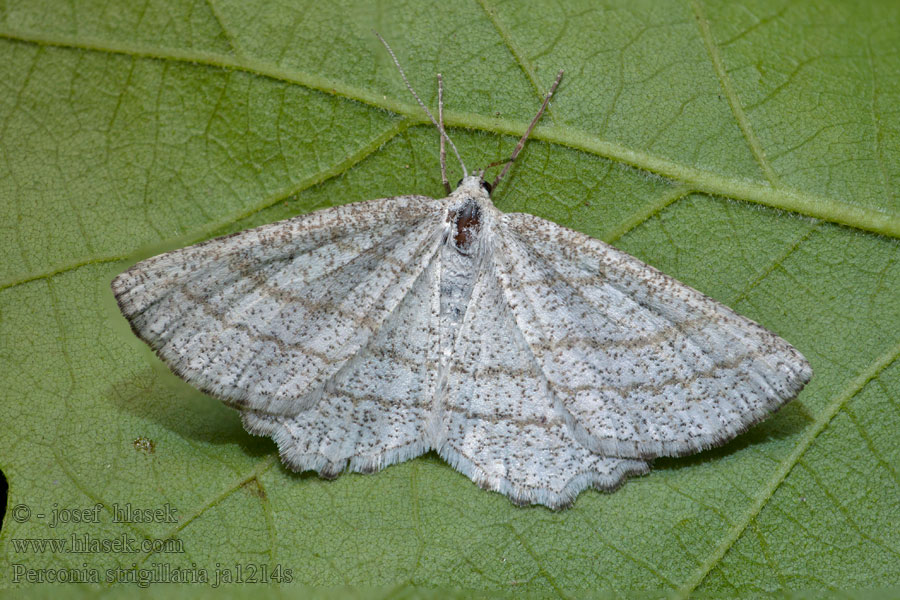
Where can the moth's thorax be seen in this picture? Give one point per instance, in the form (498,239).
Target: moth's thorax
(469,214)
(469,222)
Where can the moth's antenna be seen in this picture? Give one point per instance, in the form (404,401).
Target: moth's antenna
(443,145)
(534,122)
(422,104)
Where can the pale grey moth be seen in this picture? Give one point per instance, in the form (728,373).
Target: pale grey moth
(534,359)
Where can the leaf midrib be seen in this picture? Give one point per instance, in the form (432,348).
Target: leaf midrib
(880,221)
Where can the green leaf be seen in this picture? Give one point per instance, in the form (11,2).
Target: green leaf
(750,150)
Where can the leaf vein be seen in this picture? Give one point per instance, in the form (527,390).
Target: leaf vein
(731,94)
(882,221)
(207,230)
(766,492)
(228,36)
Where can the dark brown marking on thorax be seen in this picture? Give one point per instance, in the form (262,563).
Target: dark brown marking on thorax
(467,221)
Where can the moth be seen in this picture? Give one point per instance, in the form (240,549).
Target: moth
(534,359)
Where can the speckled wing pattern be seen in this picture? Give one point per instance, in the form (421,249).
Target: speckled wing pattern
(539,364)
(645,365)
(499,422)
(372,412)
(265,318)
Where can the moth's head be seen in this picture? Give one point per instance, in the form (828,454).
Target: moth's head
(474,186)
